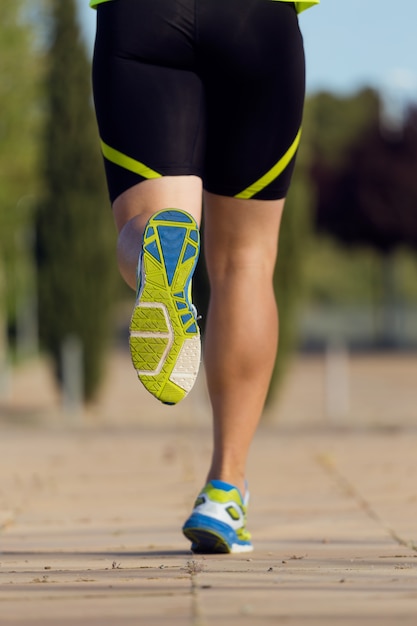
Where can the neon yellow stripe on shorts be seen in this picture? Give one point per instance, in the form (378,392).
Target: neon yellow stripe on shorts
(127,162)
(273,173)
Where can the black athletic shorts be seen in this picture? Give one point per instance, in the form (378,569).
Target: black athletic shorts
(213,88)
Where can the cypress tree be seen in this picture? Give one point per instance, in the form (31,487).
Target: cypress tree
(75,242)
(20,78)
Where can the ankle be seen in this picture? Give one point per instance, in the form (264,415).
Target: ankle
(235,479)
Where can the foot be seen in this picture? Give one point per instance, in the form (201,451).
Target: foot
(164,335)
(218,521)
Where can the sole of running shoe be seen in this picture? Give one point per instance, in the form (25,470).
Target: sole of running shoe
(209,536)
(164,335)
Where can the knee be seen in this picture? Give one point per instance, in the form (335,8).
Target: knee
(247,267)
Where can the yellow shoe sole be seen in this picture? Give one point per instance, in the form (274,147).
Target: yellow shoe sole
(164,335)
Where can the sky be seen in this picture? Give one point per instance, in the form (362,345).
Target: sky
(349,44)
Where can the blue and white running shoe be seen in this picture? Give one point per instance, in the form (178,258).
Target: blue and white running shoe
(218,521)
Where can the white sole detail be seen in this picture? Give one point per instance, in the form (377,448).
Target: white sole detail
(236,548)
(187,365)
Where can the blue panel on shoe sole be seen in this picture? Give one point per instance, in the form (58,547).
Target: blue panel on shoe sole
(172,241)
(190,252)
(152,249)
(173,215)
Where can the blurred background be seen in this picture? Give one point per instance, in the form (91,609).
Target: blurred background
(346,278)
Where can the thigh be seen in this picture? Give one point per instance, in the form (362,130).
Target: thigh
(252,61)
(148,99)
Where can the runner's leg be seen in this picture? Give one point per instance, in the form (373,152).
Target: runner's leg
(241,238)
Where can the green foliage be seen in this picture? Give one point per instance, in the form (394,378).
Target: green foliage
(336,276)
(20,72)
(406,274)
(75,229)
(313,269)
(340,276)
(373,200)
(335,122)
(364,174)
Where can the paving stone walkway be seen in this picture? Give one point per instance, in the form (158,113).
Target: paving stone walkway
(90,520)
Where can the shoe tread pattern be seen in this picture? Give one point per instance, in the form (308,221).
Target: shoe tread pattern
(164,336)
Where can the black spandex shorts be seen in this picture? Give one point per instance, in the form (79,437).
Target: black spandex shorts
(213,88)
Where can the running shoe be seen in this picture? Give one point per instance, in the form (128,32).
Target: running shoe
(218,521)
(164,334)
